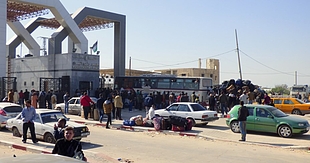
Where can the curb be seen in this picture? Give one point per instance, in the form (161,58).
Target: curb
(24,148)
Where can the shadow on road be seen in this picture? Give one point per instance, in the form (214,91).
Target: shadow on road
(299,136)
(273,144)
(213,127)
(88,145)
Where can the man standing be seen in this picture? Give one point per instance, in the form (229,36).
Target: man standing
(193,97)
(148,102)
(11,96)
(212,102)
(223,101)
(66,99)
(53,100)
(28,116)
(243,113)
(59,128)
(118,103)
(244,97)
(21,98)
(100,102)
(86,104)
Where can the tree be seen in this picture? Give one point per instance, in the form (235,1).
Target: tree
(281,89)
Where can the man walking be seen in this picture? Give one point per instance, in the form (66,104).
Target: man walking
(100,102)
(66,99)
(212,102)
(85,102)
(107,110)
(223,101)
(148,102)
(243,113)
(28,116)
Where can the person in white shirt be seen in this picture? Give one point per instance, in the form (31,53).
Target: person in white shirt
(244,97)
(151,113)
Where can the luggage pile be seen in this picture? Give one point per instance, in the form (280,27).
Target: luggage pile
(174,123)
(239,86)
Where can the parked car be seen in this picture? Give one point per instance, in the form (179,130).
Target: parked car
(292,105)
(193,111)
(74,105)
(8,110)
(39,158)
(44,125)
(265,118)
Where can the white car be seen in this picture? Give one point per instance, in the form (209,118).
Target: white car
(193,111)
(74,105)
(8,110)
(44,125)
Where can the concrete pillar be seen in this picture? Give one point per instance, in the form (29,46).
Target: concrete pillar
(119,48)
(3,53)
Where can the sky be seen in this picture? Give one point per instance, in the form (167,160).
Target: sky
(274,36)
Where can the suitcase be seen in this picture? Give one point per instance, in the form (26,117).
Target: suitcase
(178,121)
(177,128)
(148,123)
(189,125)
(157,122)
(165,124)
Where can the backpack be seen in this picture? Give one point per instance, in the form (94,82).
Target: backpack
(148,101)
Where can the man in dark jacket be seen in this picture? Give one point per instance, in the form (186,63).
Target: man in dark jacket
(59,128)
(243,113)
(212,102)
(100,102)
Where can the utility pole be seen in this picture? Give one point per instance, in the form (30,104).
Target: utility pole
(129,66)
(44,45)
(240,73)
(295,77)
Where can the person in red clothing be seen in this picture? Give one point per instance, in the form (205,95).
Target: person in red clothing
(21,98)
(86,104)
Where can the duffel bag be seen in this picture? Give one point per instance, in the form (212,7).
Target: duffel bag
(178,121)
(177,128)
(165,124)
(157,123)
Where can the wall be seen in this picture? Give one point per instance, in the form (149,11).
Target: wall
(3,54)
(80,67)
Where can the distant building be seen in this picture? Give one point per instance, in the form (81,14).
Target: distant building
(212,70)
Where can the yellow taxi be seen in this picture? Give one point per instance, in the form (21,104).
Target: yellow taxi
(292,105)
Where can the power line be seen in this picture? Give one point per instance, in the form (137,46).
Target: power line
(177,64)
(265,65)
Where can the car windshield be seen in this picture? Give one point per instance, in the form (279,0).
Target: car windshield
(276,112)
(300,101)
(52,117)
(197,107)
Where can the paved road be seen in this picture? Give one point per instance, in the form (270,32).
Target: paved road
(220,131)
(154,147)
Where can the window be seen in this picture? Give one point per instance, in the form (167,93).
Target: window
(251,111)
(262,112)
(183,74)
(38,120)
(177,83)
(191,84)
(183,108)
(277,101)
(197,107)
(206,82)
(25,83)
(211,75)
(163,83)
(288,102)
(202,75)
(77,101)
(32,83)
(72,101)
(173,107)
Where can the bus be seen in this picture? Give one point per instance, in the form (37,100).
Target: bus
(202,86)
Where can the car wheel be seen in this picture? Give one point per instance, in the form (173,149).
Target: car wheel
(193,121)
(49,138)
(296,111)
(16,132)
(234,126)
(285,131)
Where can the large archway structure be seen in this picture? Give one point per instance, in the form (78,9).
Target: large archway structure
(65,25)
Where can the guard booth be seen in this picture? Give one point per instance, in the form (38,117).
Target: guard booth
(6,84)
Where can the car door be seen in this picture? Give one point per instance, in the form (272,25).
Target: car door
(250,119)
(183,111)
(288,106)
(264,121)
(171,110)
(278,103)
(39,129)
(72,106)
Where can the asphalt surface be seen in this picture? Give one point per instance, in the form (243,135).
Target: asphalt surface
(215,130)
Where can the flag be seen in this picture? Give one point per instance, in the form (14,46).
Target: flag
(95,47)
